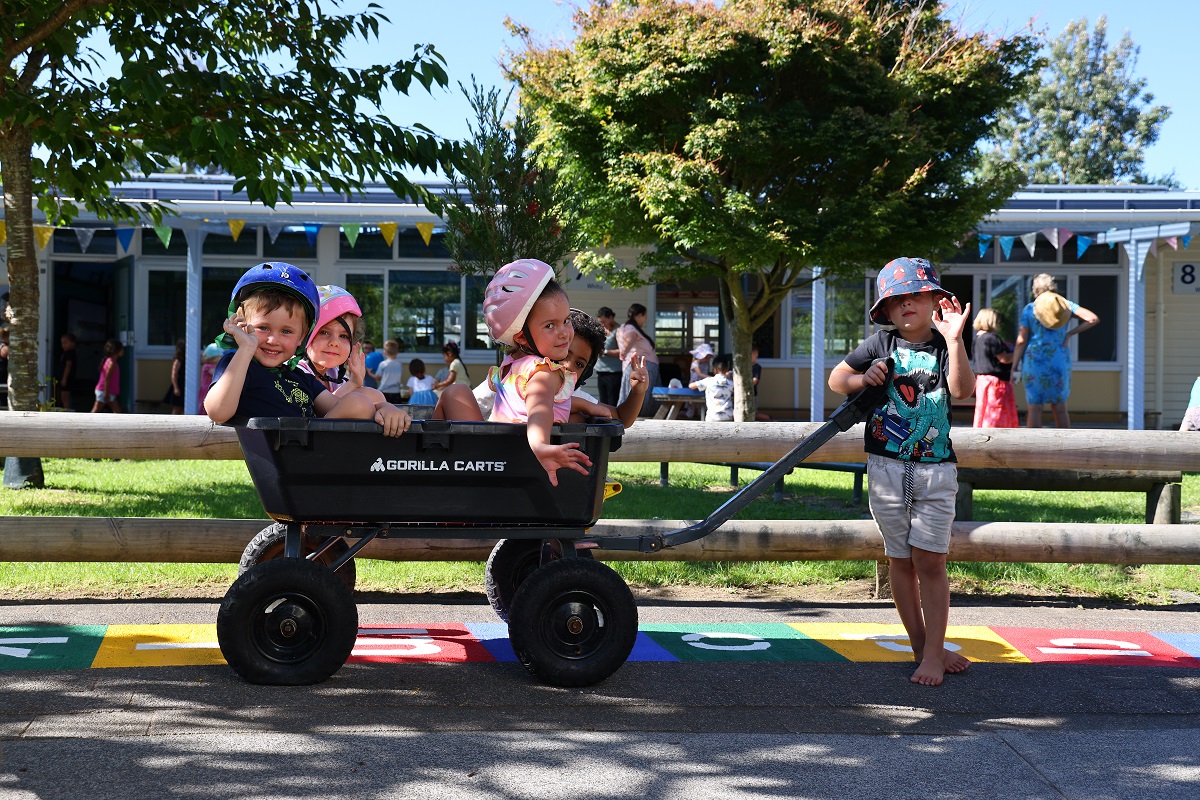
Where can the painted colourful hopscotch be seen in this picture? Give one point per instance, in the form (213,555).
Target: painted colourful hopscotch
(99,646)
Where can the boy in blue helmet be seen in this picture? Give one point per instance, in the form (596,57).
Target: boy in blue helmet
(910,461)
(270,312)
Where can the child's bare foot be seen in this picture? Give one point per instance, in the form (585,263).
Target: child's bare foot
(954,662)
(929,673)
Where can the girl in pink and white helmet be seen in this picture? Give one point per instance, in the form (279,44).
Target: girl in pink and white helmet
(527,310)
(334,352)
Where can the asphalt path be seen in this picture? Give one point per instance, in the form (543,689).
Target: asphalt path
(693,730)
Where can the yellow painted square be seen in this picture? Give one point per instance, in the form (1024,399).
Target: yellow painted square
(871,641)
(158,646)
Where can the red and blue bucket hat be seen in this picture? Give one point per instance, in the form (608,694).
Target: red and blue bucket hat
(904,276)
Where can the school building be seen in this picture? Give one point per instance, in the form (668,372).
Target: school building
(1125,252)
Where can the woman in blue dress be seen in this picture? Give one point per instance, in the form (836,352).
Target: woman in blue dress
(1042,357)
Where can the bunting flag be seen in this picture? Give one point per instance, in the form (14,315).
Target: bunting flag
(426,231)
(388,229)
(1185,239)
(351,232)
(235,228)
(1051,235)
(125,238)
(4,232)
(311,229)
(43,233)
(1173,241)
(164,235)
(84,235)
(273,232)
(1082,243)
(1030,242)
(985,241)
(1006,243)
(1064,236)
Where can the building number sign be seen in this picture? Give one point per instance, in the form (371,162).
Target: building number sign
(1187,278)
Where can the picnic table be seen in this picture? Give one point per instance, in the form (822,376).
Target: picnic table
(673,401)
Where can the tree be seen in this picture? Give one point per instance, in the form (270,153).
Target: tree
(502,204)
(1086,118)
(759,139)
(254,87)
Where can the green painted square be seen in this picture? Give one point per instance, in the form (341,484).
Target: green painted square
(49,646)
(727,641)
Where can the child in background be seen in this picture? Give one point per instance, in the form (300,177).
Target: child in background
(910,463)
(109,384)
(391,372)
(270,312)
(527,310)
(718,391)
(1191,417)
(420,385)
(701,366)
(208,363)
(174,393)
(991,360)
(371,358)
(66,369)
(455,370)
(333,356)
(582,355)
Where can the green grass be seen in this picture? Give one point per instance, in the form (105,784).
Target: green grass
(222,489)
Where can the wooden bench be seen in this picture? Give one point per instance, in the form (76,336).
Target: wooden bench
(1163,488)
(859,470)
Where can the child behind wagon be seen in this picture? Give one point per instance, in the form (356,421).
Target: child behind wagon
(910,463)
(270,312)
(420,385)
(718,391)
(391,372)
(108,386)
(527,310)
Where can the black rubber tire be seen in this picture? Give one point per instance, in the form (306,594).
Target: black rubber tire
(509,564)
(287,622)
(267,545)
(573,622)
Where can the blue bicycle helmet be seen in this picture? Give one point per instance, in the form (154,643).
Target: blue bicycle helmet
(284,276)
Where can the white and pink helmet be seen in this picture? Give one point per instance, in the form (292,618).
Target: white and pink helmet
(335,301)
(510,296)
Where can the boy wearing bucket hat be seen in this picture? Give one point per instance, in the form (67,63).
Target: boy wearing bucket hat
(911,471)
(271,311)
(1041,358)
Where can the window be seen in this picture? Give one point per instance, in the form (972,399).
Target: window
(1098,293)
(1008,294)
(845,317)
(424,309)
(290,245)
(214,300)
(167,317)
(368,291)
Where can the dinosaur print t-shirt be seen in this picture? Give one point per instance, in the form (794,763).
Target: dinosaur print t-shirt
(914,423)
(279,392)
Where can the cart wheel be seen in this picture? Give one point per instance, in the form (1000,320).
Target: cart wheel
(268,545)
(510,563)
(287,622)
(573,622)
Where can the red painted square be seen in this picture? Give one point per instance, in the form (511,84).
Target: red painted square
(1106,648)
(417,643)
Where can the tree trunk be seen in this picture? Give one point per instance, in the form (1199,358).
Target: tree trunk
(16,160)
(737,314)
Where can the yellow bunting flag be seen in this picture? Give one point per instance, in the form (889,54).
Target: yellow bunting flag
(3,232)
(426,231)
(43,234)
(235,227)
(388,229)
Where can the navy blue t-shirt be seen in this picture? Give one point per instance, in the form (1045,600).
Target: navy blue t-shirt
(914,423)
(278,392)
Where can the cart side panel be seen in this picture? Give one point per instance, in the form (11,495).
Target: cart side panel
(476,473)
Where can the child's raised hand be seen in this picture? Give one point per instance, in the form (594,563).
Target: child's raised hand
(950,318)
(394,421)
(554,457)
(237,327)
(356,365)
(639,378)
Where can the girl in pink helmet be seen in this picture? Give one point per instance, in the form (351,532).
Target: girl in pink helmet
(334,352)
(527,310)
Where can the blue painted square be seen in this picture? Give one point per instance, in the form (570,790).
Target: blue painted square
(1187,642)
(494,637)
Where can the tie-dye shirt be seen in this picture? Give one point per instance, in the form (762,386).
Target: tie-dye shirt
(509,382)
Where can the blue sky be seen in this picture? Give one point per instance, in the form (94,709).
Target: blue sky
(471,36)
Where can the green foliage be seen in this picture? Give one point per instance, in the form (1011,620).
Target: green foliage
(502,204)
(763,137)
(1086,118)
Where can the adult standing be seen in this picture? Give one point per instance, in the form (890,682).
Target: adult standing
(371,360)
(608,365)
(1041,357)
(634,342)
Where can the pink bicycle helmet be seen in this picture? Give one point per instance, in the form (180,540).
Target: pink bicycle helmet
(510,296)
(335,301)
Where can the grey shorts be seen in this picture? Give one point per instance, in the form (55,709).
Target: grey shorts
(927,524)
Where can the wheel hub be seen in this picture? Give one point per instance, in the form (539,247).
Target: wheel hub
(289,628)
